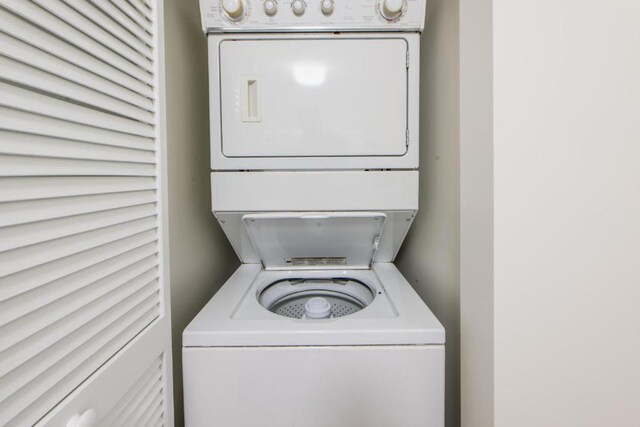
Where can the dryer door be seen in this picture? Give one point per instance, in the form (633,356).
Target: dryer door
(313,97)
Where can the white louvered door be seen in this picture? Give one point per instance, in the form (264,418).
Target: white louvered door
(84,310)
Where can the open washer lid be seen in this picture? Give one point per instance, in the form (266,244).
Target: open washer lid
(331,240)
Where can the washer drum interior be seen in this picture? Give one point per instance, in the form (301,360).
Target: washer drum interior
(316,298)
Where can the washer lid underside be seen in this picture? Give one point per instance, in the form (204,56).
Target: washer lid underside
(327,240)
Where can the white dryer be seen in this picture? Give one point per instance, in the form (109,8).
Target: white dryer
(337,100)
(314,156)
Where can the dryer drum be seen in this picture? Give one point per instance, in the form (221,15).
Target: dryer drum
(288,297)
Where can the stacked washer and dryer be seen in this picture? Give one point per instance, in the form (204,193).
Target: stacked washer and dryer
(314,157)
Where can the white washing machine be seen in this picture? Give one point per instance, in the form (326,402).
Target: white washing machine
(314,155)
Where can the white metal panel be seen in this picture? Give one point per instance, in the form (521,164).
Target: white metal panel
(82,274)
(221,160)
(348,15)
(314,191)
(315,97)
(373,386)
(234,317)
(393,192)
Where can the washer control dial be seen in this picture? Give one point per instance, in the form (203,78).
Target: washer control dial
(270,7)
(298,7)
(326,6)
(391,9)
(234,9)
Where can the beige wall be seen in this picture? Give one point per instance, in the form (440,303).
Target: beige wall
(567,212)
(563,89)
(430,256)
(476,213)
(200,257)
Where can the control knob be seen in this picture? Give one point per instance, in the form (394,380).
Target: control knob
(391,9)
(270,7)
(298,7)
(234,9)
(326,6)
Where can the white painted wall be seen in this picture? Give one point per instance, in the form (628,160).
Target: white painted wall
(201,258)
(430,256)
(566,213)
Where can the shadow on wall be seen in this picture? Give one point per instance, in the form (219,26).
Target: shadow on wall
(430,256)
(201,258)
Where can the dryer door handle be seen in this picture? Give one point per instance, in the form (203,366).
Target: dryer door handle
(251,99)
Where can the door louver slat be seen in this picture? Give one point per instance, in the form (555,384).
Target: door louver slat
(78,21)
(31,234)
(132,13)
(58,289)
(80,272)
(25,75)
(29,337)
(25,100)
(122,19)
(56,25)
(30,211)
(61,377)
(141,7)
(26,280)
(125,406)
(20,121)
(24,258)
(35,188)
(96,16)
(34,166)
(146,394)
(55,47)
(42,146)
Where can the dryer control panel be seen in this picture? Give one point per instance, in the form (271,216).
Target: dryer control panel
(245,16)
